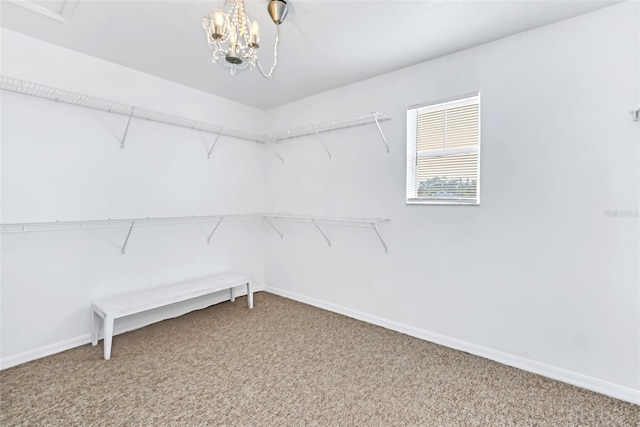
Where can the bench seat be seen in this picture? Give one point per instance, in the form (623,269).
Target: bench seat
(118,306)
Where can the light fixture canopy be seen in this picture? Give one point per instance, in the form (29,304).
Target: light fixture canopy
(277,10)
(234,38)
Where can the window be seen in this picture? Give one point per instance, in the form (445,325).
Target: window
(443,152)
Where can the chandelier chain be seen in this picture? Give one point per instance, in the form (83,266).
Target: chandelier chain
(275,56)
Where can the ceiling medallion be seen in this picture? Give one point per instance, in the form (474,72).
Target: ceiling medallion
(234,39)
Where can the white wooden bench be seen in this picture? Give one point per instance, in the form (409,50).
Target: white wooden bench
(123,305)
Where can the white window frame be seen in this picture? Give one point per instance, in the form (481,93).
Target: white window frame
(413,155)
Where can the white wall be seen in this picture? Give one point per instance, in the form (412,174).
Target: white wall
(537,276)
(61,162)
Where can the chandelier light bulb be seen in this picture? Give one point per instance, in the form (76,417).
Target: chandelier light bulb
(254,39)
(218,24)
(234,40)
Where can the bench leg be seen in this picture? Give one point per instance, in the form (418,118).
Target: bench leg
(233,294)
(95,321)
(108,335)
(249,295)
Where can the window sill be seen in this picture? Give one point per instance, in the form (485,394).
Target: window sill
(443,202)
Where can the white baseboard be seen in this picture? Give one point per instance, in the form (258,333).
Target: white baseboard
(47,350)
(579,380)
(58,347)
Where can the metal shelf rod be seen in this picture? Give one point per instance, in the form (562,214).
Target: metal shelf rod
(201,128)
(362,120)
(80,100)
(20,227)
(100,104)
(349,221)
(26,227)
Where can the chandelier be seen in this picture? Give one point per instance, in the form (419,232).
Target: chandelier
(234,39)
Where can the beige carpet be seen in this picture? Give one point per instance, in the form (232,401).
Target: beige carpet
(288,364)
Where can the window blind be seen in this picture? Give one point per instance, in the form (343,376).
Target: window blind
(443,152)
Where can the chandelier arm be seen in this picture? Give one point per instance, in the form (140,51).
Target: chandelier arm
(275,56)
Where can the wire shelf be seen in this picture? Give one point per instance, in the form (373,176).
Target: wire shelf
(318,128)
(20,227)
(347,221)
(130,223)
(73,98)
(92,224)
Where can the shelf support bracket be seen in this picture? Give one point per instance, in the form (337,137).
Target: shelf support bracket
(214,229)
(321,232)
(272,145)
(322,142)
(274,227)
(126,129)
(635,115)
(373,225)
(214,144)
(126,240)
(384,139)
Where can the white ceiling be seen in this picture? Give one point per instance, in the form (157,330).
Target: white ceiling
(323,44)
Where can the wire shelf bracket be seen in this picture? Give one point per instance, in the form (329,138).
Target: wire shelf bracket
(322,142)
(321,232)
(375,228)
(273,148)
(126,130)
(371,223)
(214,145)
(274,227)
(384,139)
(214,229)
(126,240)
